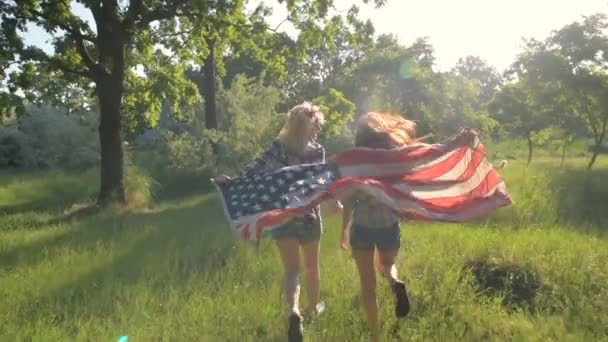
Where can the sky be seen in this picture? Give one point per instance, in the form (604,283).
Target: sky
(490,29)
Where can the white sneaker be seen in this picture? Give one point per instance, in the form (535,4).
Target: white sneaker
(317,311)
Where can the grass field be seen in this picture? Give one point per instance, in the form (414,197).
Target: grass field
(537,271)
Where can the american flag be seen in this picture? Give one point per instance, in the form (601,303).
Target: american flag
(450,181)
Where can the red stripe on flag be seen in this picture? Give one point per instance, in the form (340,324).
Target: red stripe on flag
(455,203)
(476,160)
(379,156)
(444,205)
(437,170)
(424,175)
(245,231)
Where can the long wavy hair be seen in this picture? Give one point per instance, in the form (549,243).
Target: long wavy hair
(384,130)
(303,123)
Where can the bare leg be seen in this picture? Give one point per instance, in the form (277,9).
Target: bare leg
(386,266)
(290,256)
(311,265)
(367,277)
(389,271)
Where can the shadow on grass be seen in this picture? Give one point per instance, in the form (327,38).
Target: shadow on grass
(39,194)
(88,232)
(544,196)
(91,227)
(169,247)
(582,197)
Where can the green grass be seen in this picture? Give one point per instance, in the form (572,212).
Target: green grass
(174,272)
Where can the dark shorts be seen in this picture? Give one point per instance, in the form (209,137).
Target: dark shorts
(385,239)
(299,229)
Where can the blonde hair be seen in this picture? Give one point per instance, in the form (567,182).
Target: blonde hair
(383,130)
(301,119)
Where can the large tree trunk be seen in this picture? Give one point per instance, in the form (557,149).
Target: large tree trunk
(110,138)
(563,158)
(110,90)
(599,141)
(593,157)
(529,137)
(209,88)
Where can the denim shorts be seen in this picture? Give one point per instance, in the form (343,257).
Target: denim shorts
(299,229)
(385,239)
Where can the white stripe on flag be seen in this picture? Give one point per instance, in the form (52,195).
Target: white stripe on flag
(430,191)
(379,170)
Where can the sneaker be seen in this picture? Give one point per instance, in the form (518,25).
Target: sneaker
(316,312)
(402,307)
(295,332)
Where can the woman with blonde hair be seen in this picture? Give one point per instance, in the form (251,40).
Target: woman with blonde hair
(297,144)
(372,226)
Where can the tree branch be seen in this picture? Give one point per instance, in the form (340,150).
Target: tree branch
(603,135)
(74,30)
(96,11)
(590,116)
(109,6)
(5,67)
(161,13)
(135,9)
(61,65)
(79,38)
(279,25)
(175,34)
(84,54)
(170,58)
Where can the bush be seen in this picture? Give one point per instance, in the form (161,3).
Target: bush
(339,142)
(139,187)
(47,137)
(185,160)
(11,147)
(249,121)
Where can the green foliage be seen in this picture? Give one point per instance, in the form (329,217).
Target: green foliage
(338,111)
(340,142)
(396,79)
(11,148)
(485,76)
(139,187)
(561,83)
(460,106)
(248,121)
(516,108)
(47,137)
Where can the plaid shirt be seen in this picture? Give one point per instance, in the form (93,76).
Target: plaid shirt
(275,156)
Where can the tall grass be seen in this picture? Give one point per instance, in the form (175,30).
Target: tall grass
(175,273)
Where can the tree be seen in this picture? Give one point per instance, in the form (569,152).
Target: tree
(105,55)
(460,105)
(515,108)
(322,53)
(338,111)
(486,77)
(566,75)
(399,79)
(583,47)
(123,37)
(72,94)
(303,66)
(10,103)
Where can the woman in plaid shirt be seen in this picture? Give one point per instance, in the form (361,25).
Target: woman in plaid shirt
(296,144)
